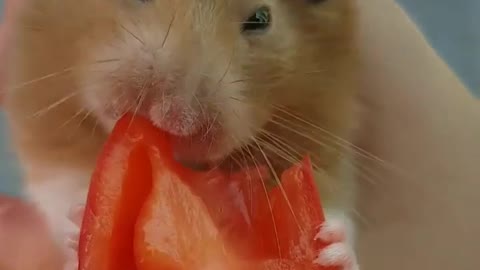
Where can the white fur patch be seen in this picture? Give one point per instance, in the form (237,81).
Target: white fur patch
(55,196)
(332,231)
(339,223)
(175,116)
(338,254)
(339,231)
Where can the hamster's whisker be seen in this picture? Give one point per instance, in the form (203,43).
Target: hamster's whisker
(84,118)
(360,150)
(227,69)
(309,72)
(236,160)
(243,101)
(132,34)
(242,151)
(290,150)
(88,112)
(169,29)
(139,100)
(105,61)
(265,190)
(362,170)
(278,182)
(59,73)
(249,179)
(48,76)
(210,126)
(79,124)
(294,157)
(54,105)
(361,218)
(325,134)
(33,28)
(284,154)
(69,120)
(280,76)
(238,81)
(116,99)
(200,105)
(94,128)
(302,134)
(280,145)
(277,139)
(278,150)
(335,140)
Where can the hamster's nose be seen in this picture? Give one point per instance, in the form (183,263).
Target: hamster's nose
(176,116)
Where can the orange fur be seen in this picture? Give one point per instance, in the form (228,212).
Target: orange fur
(73,59)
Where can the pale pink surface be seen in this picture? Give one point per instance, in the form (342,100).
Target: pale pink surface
(25,241)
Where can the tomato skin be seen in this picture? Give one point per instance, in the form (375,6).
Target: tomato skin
(238,223)
(118,185)
(285,219)
(297,215)
(116,200)
(175,230)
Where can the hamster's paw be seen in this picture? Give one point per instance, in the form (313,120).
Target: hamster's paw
(71,262)
(338,252)
(75,215)
(72,237)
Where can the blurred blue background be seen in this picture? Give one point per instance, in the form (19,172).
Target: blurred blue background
(452,27)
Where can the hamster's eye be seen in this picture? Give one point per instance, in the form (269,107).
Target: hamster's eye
(259,21)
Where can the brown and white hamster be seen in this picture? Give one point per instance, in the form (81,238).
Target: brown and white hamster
(230,79)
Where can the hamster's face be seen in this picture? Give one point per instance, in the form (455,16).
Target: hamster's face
(214,72)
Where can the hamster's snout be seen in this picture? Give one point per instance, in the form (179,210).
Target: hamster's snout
(175,115)
(185,90)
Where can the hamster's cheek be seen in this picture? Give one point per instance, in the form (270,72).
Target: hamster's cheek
(241,118)
(109,77)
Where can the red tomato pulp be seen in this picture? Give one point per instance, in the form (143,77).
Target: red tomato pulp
(145,211)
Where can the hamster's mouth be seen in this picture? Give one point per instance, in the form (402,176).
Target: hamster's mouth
(199,152)
(194,165)
(201,146)
(207,152)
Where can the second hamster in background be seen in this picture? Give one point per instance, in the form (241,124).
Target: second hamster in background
(233,81)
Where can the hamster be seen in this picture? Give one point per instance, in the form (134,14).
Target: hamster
(235,82)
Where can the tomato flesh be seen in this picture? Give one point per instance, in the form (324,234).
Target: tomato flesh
(114,201)
(146,212)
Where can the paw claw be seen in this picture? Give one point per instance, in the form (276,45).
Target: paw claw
(71,265)
(71,262)
(76,214)
(72,242)
(331,232)
(338,253)
(72,234)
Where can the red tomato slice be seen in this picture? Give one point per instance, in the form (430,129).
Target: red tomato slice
(175,230)
(120,185)
(295,216)
(145,211)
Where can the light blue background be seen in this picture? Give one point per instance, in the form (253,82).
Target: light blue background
(452,26)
